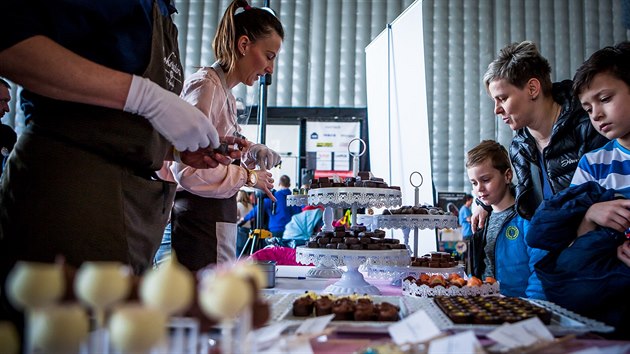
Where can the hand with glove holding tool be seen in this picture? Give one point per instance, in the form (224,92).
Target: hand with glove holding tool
(230,149)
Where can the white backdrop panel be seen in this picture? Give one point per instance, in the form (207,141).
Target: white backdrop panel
(398,102)
(377,108)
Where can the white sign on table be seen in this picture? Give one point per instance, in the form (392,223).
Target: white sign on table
(418,327)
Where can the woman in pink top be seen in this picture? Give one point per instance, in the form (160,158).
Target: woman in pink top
(204,215)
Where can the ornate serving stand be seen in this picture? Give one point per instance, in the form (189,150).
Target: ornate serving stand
(408,222)
(328,261)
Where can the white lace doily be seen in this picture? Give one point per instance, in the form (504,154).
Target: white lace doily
(346,197)
(410,289)
(353,258)
(410,221)
(297,200)
(400,272)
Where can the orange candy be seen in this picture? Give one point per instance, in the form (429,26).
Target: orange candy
(490,280)
(474,281)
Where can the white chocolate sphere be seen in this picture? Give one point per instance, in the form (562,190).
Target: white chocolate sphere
(9,340)
(59,329)
(33,284)
(168,288)
(101,284)
(224,296)
(249,270)
(135,328)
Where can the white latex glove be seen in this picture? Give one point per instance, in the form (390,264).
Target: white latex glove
(181,123)
(264,156)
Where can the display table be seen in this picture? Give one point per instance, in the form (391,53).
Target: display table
(293,280)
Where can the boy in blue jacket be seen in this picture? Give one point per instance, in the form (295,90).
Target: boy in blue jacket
(588,266)
(499,250)
(603,87)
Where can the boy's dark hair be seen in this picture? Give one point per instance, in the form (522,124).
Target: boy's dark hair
(489,150)
(614,60)
(468,197)
(517,63)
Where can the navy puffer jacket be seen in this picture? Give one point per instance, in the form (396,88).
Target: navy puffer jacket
(582,274)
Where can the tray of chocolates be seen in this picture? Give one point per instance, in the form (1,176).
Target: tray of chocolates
(363,190)
(364,179)
(483,314)
(490,310)
(354,312)
(434,260)
(431,285)
(357,238)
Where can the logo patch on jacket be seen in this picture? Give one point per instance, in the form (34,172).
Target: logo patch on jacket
(511,232)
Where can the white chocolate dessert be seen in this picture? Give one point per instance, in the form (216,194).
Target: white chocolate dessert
(168,288)
(58,329)
(33,284)
(101,284)
(224,296)
(134,328)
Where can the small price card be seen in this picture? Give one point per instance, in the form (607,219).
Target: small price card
(418,327)
(521,334)
(461,343)
(314,325)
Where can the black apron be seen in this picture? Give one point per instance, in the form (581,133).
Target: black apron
(203,230)
(81,181)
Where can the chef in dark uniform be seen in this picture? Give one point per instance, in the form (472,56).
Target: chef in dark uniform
(101,82)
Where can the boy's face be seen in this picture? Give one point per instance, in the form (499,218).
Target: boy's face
(607,102)
(511,103)
(489,184)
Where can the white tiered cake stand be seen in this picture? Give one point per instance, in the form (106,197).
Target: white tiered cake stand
(352,197)
(346,197)
(407,222)
(352,280)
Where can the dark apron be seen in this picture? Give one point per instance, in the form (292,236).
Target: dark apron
(81,181)
(203,230)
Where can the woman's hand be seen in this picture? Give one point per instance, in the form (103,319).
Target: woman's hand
(231,148)
(478,219)
(265,183)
